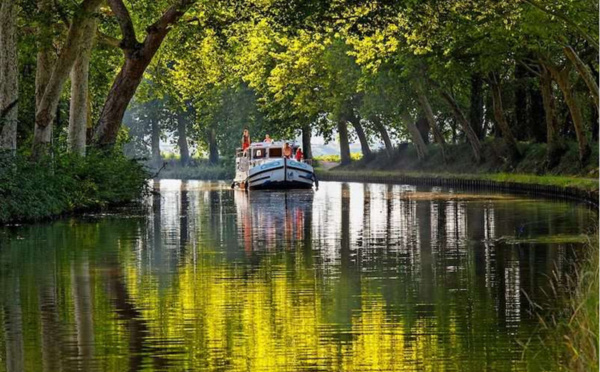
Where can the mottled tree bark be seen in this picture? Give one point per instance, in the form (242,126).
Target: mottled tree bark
(46,109)
(137,58)
(507,135)
(423,126)
(46,57)
(561,76)
(184,151)
(584,72)
(362,137)
(465,126)
(78,111)
(437,134)
(415,135)
(9,76)
(306,138)
(342,127)
(385,137)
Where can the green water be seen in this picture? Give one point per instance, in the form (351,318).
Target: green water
(352,277)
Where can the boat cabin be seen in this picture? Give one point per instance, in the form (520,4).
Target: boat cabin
(260,152)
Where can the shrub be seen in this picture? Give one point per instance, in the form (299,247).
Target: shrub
(66,183)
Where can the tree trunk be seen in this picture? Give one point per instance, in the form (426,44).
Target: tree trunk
(9,76)
(384,136)
(520,128)
(46,110)
(213,149)
(535,115)
(344,143)
(437,134)
(584,72)
(362,137)
(137,58)
(476,107)
(184,151)
(561,76)
(155,141)
(306,138)
(78,111)
(507,135)
(46,59)
(417,139)
(465,125)
(423,127)
(554,147)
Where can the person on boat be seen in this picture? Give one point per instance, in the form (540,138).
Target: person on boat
(299,154)
(267,139)
(287,150)
(245,140)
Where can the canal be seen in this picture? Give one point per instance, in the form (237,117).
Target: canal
(352,277)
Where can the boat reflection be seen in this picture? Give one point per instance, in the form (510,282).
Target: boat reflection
(268,220)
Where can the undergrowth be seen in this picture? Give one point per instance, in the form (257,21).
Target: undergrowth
(65,183)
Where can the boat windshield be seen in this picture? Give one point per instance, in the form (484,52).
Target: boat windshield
(275,152)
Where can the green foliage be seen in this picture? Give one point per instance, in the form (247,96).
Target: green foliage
(66,183)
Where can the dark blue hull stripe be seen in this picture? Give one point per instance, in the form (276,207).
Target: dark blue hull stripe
(264,171)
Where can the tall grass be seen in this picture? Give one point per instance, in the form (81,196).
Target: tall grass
(571,335)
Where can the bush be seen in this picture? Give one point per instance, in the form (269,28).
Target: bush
(66,183)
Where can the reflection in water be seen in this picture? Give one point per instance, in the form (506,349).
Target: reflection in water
(354,277)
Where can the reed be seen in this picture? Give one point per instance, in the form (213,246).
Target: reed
(570,336)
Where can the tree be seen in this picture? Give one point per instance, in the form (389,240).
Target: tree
(80,109)
(137,58)
(9,91)
(51,87)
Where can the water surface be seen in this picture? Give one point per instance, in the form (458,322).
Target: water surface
(352,277)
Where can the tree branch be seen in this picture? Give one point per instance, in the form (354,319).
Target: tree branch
(107,39)
(529,68)
(159,29)
(590,39)
(129,40)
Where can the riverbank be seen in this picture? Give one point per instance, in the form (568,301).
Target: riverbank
(64,184)
(567,179)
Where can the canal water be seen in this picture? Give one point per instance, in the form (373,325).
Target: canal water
(352,277)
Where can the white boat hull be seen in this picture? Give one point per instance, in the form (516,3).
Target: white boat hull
(277,174)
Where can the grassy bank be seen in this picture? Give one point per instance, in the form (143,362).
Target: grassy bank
(460,161)
(31,191)
(572,337)
(530,170)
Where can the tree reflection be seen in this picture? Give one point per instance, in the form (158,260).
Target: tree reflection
(354,277)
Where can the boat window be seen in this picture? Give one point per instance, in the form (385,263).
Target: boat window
(259,153)
(275,152)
